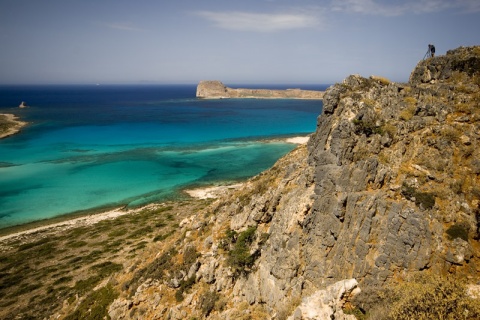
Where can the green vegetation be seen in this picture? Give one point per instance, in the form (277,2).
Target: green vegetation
(238,247)
(389,129)
(40,271)
(458,230)
(185,285)
(208,302)
(423,200)
(95,306)
(366,127)
(154,270)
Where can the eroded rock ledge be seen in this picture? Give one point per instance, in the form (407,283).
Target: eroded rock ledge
(213,89)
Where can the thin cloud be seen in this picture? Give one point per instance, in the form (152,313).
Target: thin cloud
(377,7)
(260,22)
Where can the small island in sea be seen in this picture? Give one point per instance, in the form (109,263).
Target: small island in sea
(214,89)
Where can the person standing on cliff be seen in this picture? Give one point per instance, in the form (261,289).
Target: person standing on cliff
(431,50)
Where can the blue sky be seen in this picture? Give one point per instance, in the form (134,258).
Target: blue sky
(247,41)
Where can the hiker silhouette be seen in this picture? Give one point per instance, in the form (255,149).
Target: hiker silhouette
(431,50)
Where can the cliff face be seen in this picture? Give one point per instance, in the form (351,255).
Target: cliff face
(217,90)
(388,185)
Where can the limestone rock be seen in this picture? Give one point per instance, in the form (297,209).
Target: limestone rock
(213,89)
(328,303)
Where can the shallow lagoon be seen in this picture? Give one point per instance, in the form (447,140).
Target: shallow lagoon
(93,147)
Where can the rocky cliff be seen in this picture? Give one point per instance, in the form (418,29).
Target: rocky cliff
(388,186)
(216,90)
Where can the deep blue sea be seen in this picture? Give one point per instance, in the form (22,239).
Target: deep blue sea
(94,147)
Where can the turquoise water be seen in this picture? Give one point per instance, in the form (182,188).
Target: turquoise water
(90,147)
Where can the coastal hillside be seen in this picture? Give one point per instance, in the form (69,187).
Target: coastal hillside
(386,193)
(9,125)
(377,217)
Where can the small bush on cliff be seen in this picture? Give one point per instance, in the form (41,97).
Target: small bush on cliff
(423,200)
(366,127)
(458,230)
(431,297)
(238,246)
(208,301)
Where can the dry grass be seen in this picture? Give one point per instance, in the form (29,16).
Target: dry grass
(409,111)
(430,297)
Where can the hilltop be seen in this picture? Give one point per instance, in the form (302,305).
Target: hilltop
(377,217)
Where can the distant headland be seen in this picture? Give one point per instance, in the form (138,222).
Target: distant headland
(9,125)
(214,89)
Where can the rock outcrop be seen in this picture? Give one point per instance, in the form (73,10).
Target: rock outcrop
(387,186)
(213,89)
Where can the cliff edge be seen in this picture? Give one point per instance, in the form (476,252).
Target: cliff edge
(213,89)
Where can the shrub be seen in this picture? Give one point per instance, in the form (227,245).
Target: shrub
(432,297)
(366,127)
(423,200)
(389,129)
(106,268)
(458,230)
(239,257)
(207,302)
(76,244)
(190,256)
(30,245)
(95,306)
(162,237)
(451,134)
(369,102)
(185,285)
(84,286)
(408,113)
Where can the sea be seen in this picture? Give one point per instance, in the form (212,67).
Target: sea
(95,147)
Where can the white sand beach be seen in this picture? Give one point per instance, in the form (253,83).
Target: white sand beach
(212,192)
(298,140)
(76,222)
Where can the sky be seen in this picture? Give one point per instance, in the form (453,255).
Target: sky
(234,41)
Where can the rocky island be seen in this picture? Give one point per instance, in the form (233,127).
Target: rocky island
(376,217)
(213,89)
